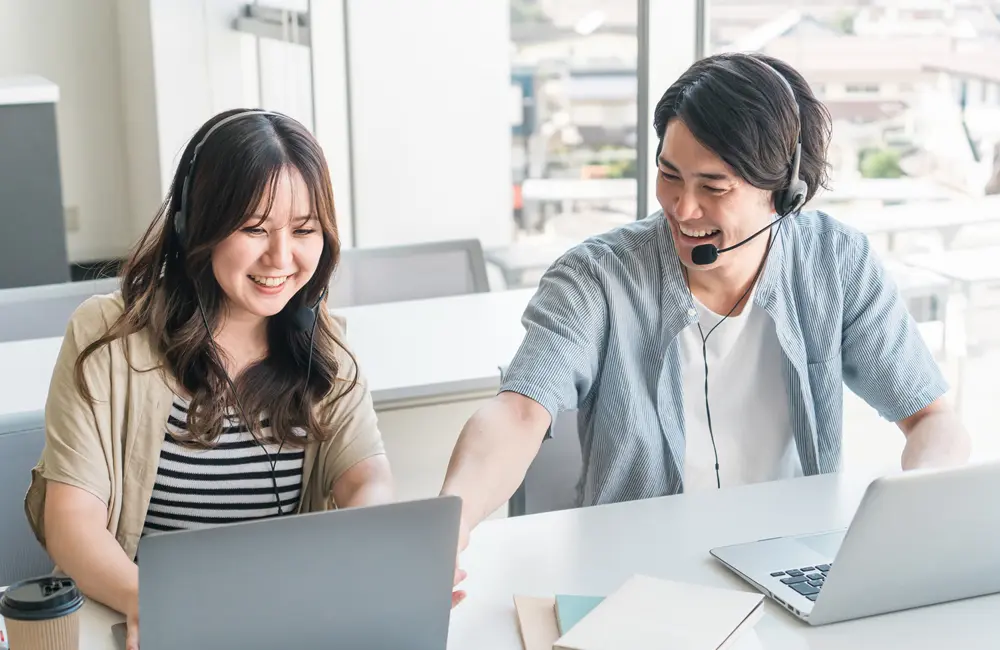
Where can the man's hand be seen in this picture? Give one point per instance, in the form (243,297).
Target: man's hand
(458,595)
(132,631)
(489,461)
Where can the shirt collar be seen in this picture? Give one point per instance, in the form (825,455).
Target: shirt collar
(677,308)
(765,292)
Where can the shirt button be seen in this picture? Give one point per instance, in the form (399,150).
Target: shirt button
(692,312)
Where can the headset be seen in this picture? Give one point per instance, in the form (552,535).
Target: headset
(304,318)
(788,200)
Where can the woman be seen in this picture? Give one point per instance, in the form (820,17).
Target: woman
(698,354)
(214,387)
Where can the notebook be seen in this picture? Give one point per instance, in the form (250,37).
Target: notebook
(536,620)
(571,609)
(648,612)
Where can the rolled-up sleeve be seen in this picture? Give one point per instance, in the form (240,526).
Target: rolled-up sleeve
(75,450)
(886,361)
(78,447)
(565,324)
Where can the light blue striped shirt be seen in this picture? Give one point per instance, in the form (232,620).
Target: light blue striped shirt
(602,337)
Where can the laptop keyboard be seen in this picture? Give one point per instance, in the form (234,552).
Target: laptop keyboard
(807,580)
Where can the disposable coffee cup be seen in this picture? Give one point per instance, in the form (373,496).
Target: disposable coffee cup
(42,614)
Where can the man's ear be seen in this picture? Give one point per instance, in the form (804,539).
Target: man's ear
(769,201)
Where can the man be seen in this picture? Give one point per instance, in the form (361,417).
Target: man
(707,346)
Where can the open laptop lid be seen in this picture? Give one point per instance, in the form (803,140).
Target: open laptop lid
(932,530)
(372,577)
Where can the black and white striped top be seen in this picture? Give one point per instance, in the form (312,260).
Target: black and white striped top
(232,482)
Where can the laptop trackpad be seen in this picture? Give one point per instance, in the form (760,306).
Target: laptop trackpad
(827,544)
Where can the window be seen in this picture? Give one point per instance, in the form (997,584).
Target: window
(908,173)
(573,158)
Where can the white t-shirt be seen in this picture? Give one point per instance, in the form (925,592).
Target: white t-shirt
(747,398)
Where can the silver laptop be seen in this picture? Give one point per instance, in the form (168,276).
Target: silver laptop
(363,578)
(918,538)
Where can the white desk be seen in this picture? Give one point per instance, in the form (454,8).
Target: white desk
(593,550)
(424,351)
(416,352)
(438,350)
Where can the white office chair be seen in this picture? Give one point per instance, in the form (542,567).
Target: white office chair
(43,311)
(551,481)
(412,272)
(22,437)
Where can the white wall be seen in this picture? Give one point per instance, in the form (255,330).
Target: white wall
(286,70)
(430,108)
(75,45)
(197,71)
(331,105)
(668,58)
(203,66)
(138,101)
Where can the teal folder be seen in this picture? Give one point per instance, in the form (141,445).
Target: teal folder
(571,609)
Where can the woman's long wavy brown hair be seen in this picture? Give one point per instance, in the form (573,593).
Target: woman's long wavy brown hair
(236,168)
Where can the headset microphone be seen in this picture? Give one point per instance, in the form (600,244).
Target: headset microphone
(708,253)
(305,317)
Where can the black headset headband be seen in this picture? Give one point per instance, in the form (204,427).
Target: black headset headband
(181,216)
(794,195)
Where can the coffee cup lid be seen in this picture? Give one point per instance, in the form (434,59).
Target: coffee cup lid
(40,599)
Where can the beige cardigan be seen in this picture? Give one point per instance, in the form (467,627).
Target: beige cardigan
(111,447)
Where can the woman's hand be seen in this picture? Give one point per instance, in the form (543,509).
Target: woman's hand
(132,627)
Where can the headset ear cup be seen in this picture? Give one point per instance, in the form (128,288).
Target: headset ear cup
(791,199)
(780,198)
(180,227)
(796,196)
(303,318)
